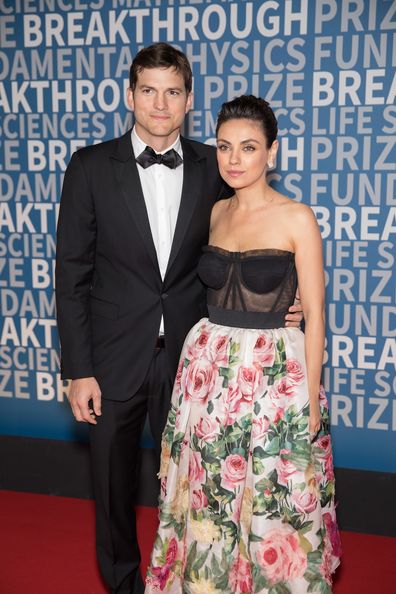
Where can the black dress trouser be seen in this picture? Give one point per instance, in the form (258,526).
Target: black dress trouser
(115,464)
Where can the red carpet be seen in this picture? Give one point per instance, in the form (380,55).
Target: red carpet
(47,547)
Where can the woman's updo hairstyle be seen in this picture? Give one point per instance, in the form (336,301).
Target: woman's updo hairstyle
(249,107)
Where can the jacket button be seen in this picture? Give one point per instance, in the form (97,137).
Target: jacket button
(164,296)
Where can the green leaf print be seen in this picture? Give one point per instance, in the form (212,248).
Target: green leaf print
(317,583)
(211,464)
(233,433)
(300,454)
(234,347)
(272,448)
(327,494)
(167,436)
(258,452)
(264,484)
(200,560)
(280,348)
(210,407)
(280,588)
(192,553)
(260,505)
(258,466)
(216,449)
(259,580)
(216,571)
(176,447)
(304,543)
(325,588)
(266,505)
(305,527)
(222,584)
(227,374)
(314,558)
(194,442)
(275,372)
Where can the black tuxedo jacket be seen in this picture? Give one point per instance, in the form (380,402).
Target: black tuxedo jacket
(110,294)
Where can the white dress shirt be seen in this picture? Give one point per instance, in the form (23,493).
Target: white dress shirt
(162,188)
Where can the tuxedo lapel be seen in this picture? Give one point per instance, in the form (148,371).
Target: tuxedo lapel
(127,176)
(192,189)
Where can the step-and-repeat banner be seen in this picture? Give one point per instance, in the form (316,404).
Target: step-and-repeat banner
(328,69)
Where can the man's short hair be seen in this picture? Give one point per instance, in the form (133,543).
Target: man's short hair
(161,55)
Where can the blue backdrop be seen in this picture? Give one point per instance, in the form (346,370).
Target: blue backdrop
(328,69)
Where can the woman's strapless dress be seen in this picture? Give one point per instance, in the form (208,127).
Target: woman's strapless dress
(247,499)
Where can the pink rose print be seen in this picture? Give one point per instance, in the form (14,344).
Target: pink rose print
(323,398)
(177,419)
(206,429)
(163,487)
(295,371)
(195,350)
(198,380)
(160,575)
(260,427)
(198,499)
(196,472)
(280,555)
(285,468)
(332,533)
(263,352)
(326,567)
(279,414)
(304,502)
(171,553)
(218,351)
(248,378)
(240,578)
(233,404)
(281,391)
(179,374)
(324,443)
(233,471)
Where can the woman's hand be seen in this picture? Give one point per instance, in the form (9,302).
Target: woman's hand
(314,418)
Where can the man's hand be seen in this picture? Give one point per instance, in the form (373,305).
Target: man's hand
(295,315)
(82,392)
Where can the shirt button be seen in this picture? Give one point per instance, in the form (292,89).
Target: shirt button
(164,296)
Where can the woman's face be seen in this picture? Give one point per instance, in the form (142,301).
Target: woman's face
(242,152)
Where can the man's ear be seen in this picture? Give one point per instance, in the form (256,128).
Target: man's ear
(130,100)
(189,103)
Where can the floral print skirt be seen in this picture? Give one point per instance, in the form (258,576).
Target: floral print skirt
(247,499)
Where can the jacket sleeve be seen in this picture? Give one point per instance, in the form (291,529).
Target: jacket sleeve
(75,259)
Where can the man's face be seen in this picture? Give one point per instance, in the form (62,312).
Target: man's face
(160,103)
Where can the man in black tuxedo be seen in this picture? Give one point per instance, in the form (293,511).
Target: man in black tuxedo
(132,223)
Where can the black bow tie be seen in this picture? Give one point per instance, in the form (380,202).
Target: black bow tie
(149,157)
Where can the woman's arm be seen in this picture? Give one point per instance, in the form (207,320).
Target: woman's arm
(309,263)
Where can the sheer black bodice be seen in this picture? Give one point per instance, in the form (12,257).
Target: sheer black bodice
(252,289)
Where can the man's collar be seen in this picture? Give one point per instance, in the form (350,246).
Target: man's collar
(139,145)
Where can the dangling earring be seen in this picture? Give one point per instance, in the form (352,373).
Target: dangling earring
(270,164)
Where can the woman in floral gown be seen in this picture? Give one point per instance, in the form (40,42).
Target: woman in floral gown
(247,483)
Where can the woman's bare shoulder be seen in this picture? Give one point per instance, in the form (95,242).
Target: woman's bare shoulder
(302,211)
(218,208)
